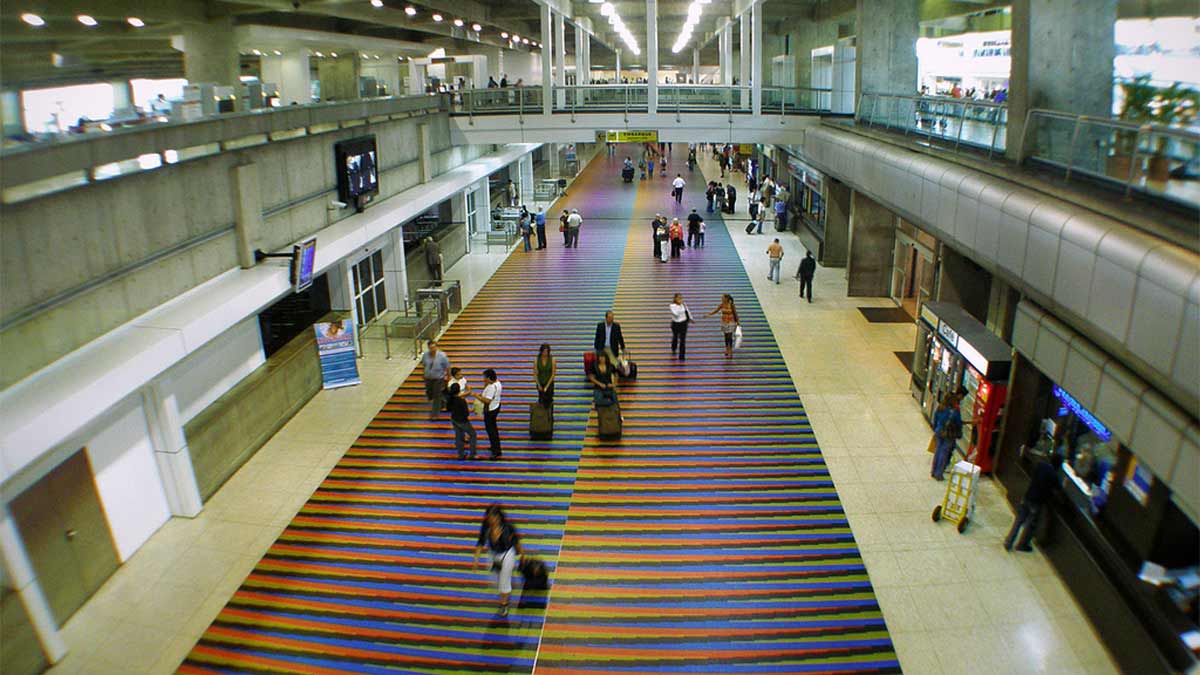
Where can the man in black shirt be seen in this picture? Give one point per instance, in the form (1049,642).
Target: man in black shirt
(609,337)
(694,220)
(808,267)
(1045,480)
(464,432)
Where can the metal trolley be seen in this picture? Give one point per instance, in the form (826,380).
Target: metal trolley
(959,503)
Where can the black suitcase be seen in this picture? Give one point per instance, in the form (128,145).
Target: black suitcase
(541,424)
(609,420)
(779,226)
(750,227)
(533,571)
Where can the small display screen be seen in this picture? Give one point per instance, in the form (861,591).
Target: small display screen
(304,258)
(358,168)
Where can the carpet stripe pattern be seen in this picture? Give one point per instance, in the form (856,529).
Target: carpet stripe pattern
(709,539)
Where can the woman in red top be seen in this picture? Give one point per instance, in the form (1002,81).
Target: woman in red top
(676,238)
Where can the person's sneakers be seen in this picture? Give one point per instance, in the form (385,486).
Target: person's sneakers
(504,609)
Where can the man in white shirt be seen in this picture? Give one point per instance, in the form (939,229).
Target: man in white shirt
(680,318)
(574,222)
(491,409)
(678,184)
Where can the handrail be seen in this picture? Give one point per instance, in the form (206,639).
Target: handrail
(932,117)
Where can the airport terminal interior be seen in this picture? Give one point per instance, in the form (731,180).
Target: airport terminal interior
(599,337)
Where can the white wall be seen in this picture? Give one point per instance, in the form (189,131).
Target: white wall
(204,376)
(127,477)
(385,70)
(522,65)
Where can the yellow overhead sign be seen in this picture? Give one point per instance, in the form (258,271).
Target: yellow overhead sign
(628,136)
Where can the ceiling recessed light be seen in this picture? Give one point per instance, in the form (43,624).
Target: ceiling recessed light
(410,10)
(278,53)
(255,52)
(33,20)
(135,22)
(377,3)
(320,55)
(458,22)
(333,54)
(476,27)
(437,18)
(87,20)
(525,40)
(503,36)
(516,38)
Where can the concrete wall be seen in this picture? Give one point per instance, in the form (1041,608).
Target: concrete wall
(887,46)
(146,238)
(872,242)
(339,78)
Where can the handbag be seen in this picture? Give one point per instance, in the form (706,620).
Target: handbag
(932,444)
(737,337)
(478,406)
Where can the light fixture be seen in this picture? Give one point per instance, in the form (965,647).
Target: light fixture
(503,36)
(255,52)
(410,10)
(476,27)
(333,54)
(278,53)
(319,55)
(437,18)
(525,41)
(87,20)
(458,22)
(607,9)
(376,57)
(516,38)
(377,3)
(135,22)
(33,20)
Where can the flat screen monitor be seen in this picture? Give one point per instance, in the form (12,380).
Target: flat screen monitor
(357,169)
(304,257)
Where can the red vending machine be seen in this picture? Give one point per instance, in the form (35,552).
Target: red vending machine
(954,350)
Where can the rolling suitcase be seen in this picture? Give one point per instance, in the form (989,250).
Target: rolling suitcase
(609,419)
(533,571)
(750,227)
(541,424)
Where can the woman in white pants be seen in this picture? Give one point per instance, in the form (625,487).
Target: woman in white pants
(505,546)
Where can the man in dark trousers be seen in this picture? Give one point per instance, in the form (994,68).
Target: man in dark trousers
(654,235)
(694,220)
(730,197)
(1045,480)
(609,337)
(808,267)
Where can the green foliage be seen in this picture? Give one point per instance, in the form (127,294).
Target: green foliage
(1144,103)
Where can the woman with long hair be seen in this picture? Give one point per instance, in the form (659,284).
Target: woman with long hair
(603,378)
(543,374)
(502,541)
(729,321)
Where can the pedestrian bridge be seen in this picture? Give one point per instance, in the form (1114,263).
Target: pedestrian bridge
(677,113)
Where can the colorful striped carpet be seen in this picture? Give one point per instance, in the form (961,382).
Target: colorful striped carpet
(709,539)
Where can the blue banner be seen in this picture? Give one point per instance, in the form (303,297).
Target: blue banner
(335,348)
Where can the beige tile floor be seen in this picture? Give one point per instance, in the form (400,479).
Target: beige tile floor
(953,603)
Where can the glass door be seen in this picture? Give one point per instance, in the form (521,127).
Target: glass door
(370,296)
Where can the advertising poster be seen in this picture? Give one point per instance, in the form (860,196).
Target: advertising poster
(1138,481)
(335,348)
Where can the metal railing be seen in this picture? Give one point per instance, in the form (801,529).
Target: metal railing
(956,122)
(634,98)
(1156,160)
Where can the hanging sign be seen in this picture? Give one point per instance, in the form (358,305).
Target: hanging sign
(335,349)
(631,136)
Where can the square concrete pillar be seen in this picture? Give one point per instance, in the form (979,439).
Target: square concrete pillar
(872,245)
(887,47)
(837,224)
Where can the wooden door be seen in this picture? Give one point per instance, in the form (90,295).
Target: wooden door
(66,535)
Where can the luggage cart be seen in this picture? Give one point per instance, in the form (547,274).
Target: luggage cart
(959,503)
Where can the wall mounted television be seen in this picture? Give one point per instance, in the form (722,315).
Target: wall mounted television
(357,164)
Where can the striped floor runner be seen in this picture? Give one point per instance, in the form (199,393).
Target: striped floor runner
(709,539)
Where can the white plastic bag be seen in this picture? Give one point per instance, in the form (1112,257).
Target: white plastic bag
(737,337)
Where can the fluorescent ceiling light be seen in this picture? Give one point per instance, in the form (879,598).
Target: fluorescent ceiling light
(135,22)
(33,20)
(87,20)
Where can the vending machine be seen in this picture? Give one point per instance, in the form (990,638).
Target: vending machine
(955,351)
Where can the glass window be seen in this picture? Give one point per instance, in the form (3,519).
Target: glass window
(145,92)
(370,295)
(57,109)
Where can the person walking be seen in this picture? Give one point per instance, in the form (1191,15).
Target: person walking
(491,409)
(676,238)
(511,190)
(762,211)
(654,225)
(694,220)
(947,429)
(729,321)
(781,217)
(544,370)
(700,234)
(574,223)
(730,198)
(540,221)
(609,338)
(709,195)
(680,318)
(604,382)
(433,258)
(435,365)
(562,227)
(752,204)
(460,419)
(775,253)
(501,539)
(526,229)
(678,184)
(808,267)
(650,161)
(1045,481)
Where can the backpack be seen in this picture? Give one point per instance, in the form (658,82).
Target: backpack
(951,429)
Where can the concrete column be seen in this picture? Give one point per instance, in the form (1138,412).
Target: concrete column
(339,78)
(525,169)
(122,97)
(836,247)
(811,35)
(386,72)
(19,575)
(1057,41)
(721,56)
(547,66)
(247,208)
(744,47)
(887,47)
(618,66)
(12,115)
(483,206)
(696,65)
(210,53)
(756,58)
(424,154)
(963,283)
(580,56)
(554,156)
(872,244)
(290,75)
(560,59)
(416,77)
(171,453)
(652,55)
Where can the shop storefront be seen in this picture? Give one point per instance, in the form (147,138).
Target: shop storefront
(954,351)
(1118,533)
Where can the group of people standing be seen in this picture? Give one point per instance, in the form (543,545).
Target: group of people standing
(768,200)
(720,196)
(669,237)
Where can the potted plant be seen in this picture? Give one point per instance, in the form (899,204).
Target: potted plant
(1144,103)
(1138,94)
(1174,106)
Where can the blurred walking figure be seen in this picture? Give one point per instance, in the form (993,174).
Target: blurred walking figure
(504,545)
(729,321)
